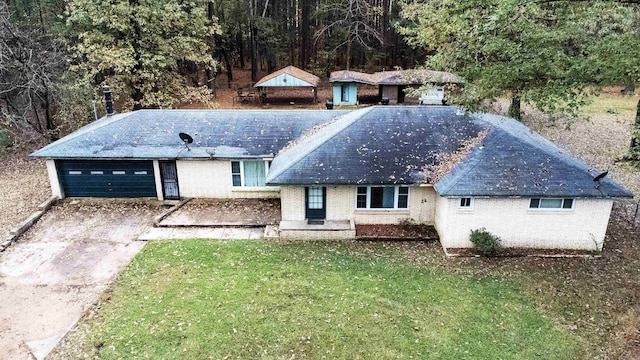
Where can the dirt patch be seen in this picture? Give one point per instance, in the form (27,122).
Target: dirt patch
(23,186)
(60,266)
(226,212)
(396,232)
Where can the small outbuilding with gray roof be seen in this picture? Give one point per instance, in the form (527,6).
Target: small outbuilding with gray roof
(379,165)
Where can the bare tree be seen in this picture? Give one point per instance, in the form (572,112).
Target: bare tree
(353,21)
(31,62)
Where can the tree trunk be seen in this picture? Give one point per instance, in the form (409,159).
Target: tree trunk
(137,95)
(349,51)
(634,150)
(240,44)
(304,34)
(514,108)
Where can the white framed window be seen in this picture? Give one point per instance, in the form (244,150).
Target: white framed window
(382,197)
(551,203)
(97,172)
(465,203)
(118,172)
(140,172)
(249,173)
(75,172)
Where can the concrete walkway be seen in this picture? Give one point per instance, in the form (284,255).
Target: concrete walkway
(219,233)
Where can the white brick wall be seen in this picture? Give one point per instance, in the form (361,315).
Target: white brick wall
(341,205)
(292,202)
(582,228)
(212,179)
(56,190)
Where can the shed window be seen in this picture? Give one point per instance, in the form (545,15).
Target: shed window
(551,203)
(249,173)
(382,197)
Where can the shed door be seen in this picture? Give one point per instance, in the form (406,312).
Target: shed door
(345,93)
(106,178)
(169,176)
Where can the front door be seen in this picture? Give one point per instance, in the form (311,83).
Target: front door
(316,202)
(169,176)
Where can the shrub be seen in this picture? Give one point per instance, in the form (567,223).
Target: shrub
(485,242)
(5,139)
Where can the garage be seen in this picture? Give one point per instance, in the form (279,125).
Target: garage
(106,178)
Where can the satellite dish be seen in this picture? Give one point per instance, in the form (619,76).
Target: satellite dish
(600,177)
(187,139)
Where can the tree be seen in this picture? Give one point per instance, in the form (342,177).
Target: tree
(350,22)
(527,51)
(145,50)
(614,56)
(31,63)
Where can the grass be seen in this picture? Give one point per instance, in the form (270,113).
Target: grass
(203,299)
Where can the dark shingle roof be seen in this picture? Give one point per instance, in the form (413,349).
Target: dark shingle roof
(153,134)
(391,145)
(514,161)
(377,145)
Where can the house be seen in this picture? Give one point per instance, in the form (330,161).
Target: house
(335,169)
(392,85)
(290,76)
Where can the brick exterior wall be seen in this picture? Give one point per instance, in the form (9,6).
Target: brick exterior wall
(582,228)
(212,179)
(341,205)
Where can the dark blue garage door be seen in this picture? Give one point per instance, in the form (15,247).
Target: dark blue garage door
(106,178)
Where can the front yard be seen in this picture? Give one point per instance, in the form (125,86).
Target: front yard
(200,299)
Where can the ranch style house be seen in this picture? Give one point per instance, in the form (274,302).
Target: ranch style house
(332,170)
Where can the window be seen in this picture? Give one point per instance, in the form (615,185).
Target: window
(382,197)
(466,202)
(249,173)
(75,172)
(315,198)
(140,172)
(539,203)
(118,172)
(97,172)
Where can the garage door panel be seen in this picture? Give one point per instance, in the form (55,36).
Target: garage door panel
(106,178)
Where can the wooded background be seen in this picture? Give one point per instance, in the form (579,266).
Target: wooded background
(56,54)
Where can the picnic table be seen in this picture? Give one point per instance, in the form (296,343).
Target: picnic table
(249,95)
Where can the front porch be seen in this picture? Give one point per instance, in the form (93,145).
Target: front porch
(224,213)
(317,230)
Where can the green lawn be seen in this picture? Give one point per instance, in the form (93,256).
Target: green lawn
(202,299)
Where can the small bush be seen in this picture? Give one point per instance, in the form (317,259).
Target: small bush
(5,139)
(485,242)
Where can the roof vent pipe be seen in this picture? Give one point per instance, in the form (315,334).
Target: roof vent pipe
(108,99)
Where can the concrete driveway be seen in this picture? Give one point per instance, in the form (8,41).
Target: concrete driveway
(61,266)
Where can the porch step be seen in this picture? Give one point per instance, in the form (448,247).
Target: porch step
(329,230)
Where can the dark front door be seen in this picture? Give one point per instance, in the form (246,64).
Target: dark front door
(169,176)
(316,202)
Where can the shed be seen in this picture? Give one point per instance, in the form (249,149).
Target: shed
(290,76)
(345,90)
(391,85)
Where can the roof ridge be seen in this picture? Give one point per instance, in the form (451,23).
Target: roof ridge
(459,174)
(301,155)
(98,124)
